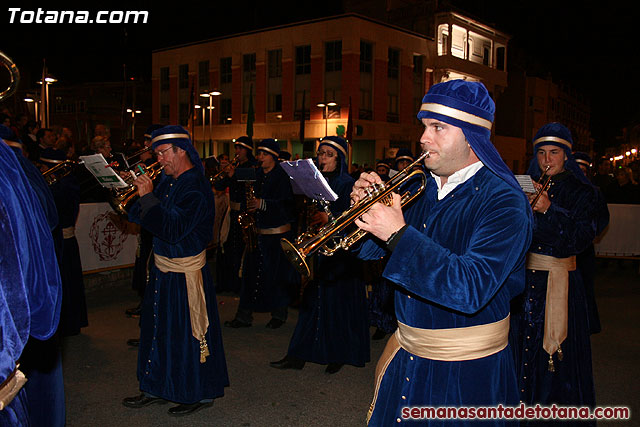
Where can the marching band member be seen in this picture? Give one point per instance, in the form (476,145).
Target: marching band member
(181,357)
(266,273)
(332,326)
(457,259)
(550,326)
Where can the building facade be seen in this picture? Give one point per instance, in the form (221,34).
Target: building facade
(376,70)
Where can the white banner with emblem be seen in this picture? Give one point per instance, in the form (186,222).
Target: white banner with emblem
(106,240)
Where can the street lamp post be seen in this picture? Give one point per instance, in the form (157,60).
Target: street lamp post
(133,120)
(30,99)
(48,80)
(326,106)
(210,95)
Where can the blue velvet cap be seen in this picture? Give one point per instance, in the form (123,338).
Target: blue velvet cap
(558,135)
(51,156)
(244,141)
(270,146)
(178,137)
(583,158)
(469,106)
(384,163)
(403,154)
(341,146)
(150,129)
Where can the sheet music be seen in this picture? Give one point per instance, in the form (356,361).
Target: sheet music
(106,176)
(308,180)
(526,183)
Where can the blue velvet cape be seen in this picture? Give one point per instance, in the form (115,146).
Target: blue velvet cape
(179,213)
(332,323)
(267,275)
(568,227)
(458,264)
(30,286)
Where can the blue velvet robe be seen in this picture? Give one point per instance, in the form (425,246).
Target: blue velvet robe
(568,227)
(73,315)
(179,213)
(41,360)
(458,264)
(332,323)
(267,275)
(30,288)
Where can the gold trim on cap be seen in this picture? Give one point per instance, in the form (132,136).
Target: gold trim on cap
(584,162)
(247,146)
(456,114)
(334,145)
(552,139)
(268,150)
(170,136)
(397,159)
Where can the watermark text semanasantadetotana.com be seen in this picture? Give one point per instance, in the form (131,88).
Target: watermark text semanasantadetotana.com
(522,412)
(40,16)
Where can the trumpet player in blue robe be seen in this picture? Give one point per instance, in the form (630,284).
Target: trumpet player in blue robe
(457,259)
(550,322)
(181,356)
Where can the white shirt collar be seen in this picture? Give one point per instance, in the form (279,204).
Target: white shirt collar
(456,179)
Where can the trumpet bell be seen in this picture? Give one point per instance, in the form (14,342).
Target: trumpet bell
(295,257)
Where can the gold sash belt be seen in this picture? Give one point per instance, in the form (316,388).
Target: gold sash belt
(235,206)
(556,312)
(449,345)
(191,267)
(11,386)
(68,232)
(275,230)
(455,344)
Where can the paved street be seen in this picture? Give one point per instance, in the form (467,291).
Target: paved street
(100,369)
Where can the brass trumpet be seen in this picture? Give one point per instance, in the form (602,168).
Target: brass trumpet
(59,171)
(220,175)
(121,199)
(545,182)
(307,244)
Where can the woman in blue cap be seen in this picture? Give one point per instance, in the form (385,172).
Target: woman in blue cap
(332,326)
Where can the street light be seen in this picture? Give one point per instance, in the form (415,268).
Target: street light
(30,99)
(200,107)
(133,120)
(48,80)
(210,95)
(326,106)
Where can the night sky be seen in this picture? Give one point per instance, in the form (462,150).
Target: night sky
(582,43)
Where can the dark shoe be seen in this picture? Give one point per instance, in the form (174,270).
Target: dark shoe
(275,323)
(288,363)
(134,342)
(134,311)
(235,323)
(141,401)
(184,409)
(378,334)
(332,368)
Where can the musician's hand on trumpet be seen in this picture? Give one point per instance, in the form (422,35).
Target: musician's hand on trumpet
(144,184)
(543,203)
(253,204)
(366,180)
(382,220)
